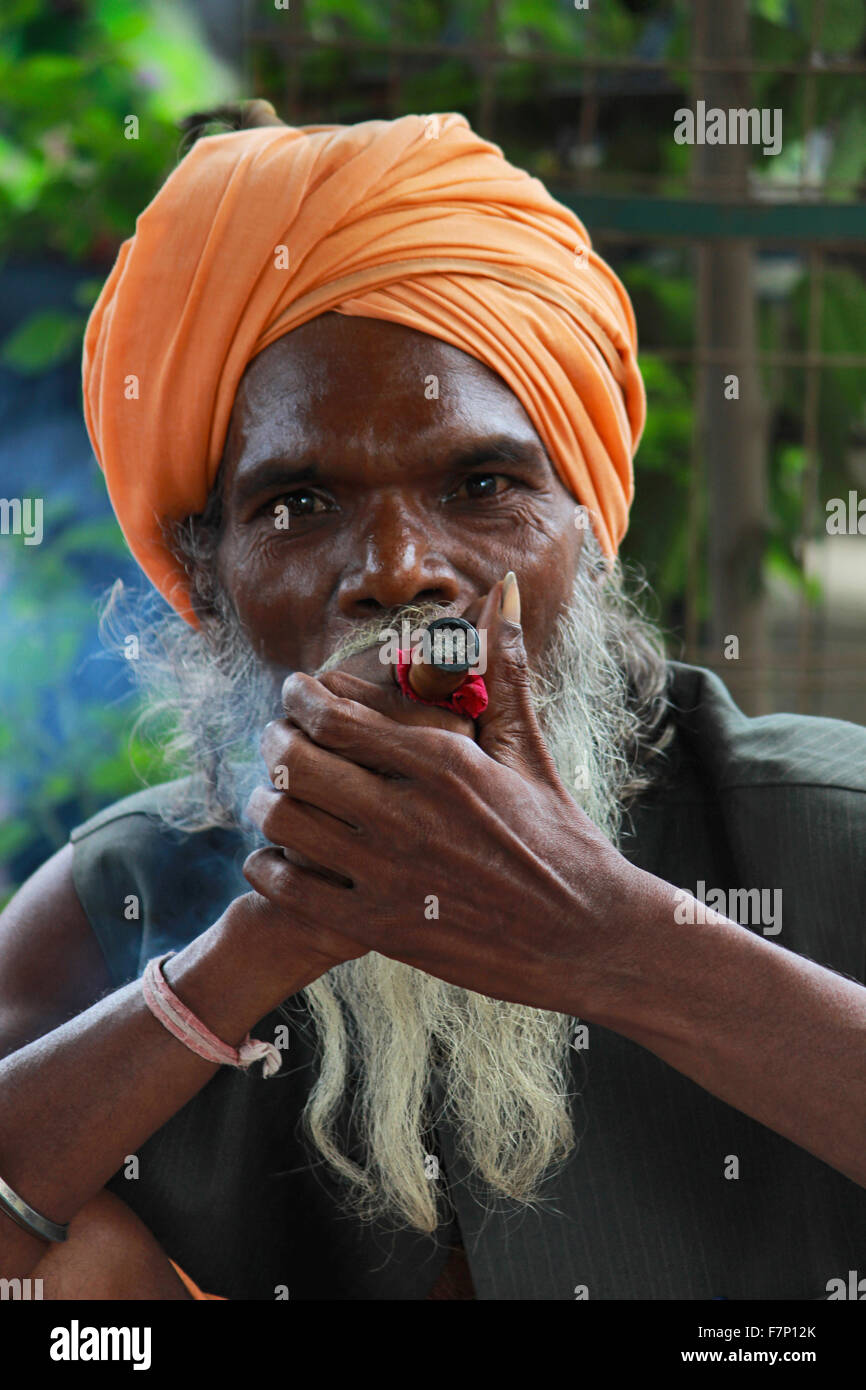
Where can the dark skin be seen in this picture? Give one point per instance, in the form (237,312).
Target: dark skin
(535,905)
(401,505)
(392,515)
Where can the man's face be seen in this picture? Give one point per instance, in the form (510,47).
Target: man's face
(411,473)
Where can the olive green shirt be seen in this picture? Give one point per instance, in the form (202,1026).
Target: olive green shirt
(650,1204)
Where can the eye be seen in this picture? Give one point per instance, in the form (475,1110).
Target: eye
(301,502)
(483,485)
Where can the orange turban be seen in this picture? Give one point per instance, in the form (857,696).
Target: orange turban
(416,220)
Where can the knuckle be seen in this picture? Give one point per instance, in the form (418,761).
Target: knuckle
(271,878)
(283,757)
(255,869)
(335,681)
(254,804)
(346,710)
(292,741)
(273,737)
(254,865)
(251,864)
(451,754)
(272,815)
(331,721)
(292,686)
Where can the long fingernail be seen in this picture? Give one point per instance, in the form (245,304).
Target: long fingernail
(509,605)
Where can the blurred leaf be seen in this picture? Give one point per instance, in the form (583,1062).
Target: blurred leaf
(363,19)
(16,13)
(526,26)
(776,11)
(42,341)
(13,835)
(121,20)
(664,303)
(22,174)
(71,177)
(86,293)
(89,536)
(848,160)
(842,23)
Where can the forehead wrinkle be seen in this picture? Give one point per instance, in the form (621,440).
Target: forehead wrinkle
(295,393)
(313,367)
(373,442)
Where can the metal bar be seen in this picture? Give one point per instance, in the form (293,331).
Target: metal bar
(806,624)
(247,63)
(618,183)
(395,66)
(688,219)
(589,105)
(543,57)
(810,95)
(694,502)
(484,122)
(291,52)
(723,357)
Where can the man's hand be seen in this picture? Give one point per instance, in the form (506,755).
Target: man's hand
(468,861)
(324,946)
(535,906)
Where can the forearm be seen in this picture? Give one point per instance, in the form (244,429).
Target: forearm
(765,1030)
(76,1102)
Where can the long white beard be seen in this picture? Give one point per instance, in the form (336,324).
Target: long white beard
(385,1029)
(504,1069)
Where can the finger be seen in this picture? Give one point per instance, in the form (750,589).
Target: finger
(303,862)
(297,826)
(306,898)
(310,938)
(319,778)
(390,701)
(364,736)
(508,729)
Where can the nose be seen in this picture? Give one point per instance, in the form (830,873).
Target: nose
(395,561)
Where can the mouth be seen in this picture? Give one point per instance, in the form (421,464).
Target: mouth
(359,652)
(365,664)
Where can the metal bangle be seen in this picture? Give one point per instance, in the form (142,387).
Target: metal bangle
(28,1219)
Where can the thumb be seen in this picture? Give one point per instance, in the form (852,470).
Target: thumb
(508,730)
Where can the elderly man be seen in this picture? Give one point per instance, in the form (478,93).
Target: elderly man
(438,1009)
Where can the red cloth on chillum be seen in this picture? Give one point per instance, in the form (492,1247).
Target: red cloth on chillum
(469,699)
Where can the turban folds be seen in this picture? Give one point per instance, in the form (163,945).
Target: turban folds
(417,220)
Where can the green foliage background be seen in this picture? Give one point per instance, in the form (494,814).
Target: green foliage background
(71,187)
